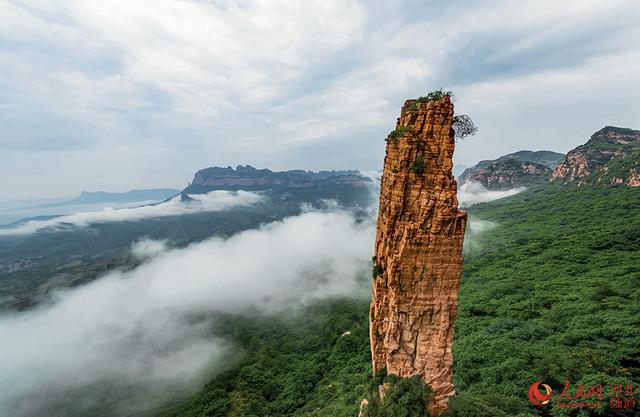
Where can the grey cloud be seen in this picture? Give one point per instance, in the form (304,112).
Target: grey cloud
(490,56)
(241,86)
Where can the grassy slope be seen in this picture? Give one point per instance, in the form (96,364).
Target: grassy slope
(551,292)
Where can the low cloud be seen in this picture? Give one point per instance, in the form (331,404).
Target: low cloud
(213,201)
(145,331)
(148,248)
(470,193)
(476,227)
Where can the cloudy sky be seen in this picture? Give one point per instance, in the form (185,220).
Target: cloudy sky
(114,95)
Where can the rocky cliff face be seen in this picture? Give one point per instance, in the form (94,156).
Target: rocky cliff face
(418,252)
(249,178)
(347,187)
(507,173)
(610,156)
(522,168)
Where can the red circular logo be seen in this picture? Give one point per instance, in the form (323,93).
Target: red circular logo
(538,398)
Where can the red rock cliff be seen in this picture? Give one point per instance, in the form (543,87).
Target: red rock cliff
(610,156)
(418,252)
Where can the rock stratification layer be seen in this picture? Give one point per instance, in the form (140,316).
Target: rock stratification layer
(418,253)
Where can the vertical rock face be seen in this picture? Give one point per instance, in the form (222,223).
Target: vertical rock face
(418,253)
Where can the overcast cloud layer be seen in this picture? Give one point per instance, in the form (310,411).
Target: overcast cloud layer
(122,94)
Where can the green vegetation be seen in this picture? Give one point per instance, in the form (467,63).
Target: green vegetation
(620,167)
(462,124)
(546,158)
(435,95)
(489,405)
(549,293)
(418,165)
(399,132)
(311,363)
(552,293)
(410,108)
(612,156)
(404,397)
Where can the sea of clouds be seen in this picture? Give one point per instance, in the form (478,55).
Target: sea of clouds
(144,327)
(213,201)
(146,332)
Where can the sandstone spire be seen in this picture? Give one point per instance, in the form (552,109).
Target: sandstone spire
(418,252)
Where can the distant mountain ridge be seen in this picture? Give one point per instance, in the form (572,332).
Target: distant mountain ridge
(610,156)
(251,179)
(520,168)
(547,158)
(132,196)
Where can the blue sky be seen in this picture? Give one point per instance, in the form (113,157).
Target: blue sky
(116,95)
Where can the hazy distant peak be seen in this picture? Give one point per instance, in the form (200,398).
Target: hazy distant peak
(92,197)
